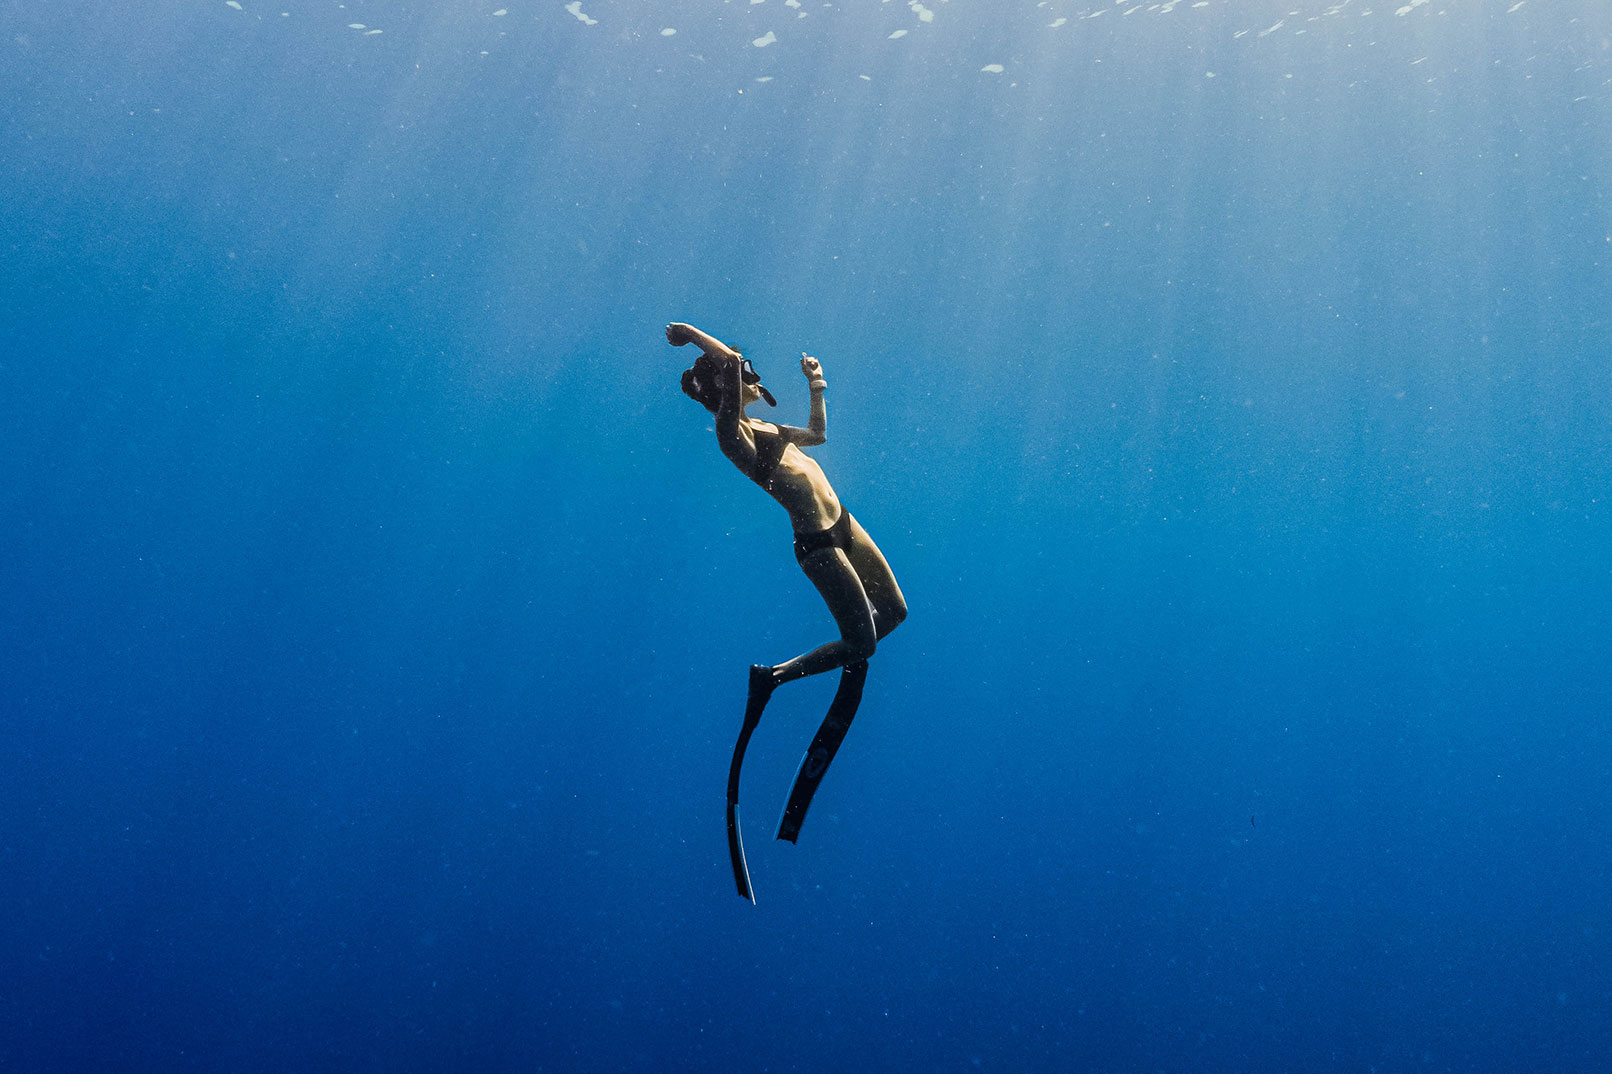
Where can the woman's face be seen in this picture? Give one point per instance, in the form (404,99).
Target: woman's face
(749,394)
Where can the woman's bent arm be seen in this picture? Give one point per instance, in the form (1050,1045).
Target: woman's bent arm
(817,422)
(678,333)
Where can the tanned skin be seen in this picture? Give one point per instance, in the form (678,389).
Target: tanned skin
(857,585)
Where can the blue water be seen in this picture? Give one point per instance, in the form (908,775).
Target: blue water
(1228,385)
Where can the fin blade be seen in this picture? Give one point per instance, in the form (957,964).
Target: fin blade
(825,744)
(741,870)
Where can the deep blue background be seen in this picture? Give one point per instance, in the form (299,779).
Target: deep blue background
(1228,388)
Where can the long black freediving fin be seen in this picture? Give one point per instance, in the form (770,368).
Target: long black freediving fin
(824,745)
(761,687)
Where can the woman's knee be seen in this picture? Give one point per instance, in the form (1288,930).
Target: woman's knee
(859,645)
(891,615)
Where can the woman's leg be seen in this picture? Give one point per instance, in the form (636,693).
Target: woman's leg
(878,581)
(841,588)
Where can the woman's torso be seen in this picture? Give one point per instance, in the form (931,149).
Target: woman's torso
(794,479)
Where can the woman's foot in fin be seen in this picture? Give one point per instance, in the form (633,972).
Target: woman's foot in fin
(762,683)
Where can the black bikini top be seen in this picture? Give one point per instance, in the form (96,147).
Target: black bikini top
(769,453)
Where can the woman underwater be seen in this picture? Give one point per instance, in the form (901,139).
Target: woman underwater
(832,548)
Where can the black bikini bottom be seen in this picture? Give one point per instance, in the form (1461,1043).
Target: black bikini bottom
(836,536)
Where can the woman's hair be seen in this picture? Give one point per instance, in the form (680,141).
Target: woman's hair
(702,383)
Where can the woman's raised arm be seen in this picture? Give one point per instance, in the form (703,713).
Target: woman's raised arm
(679,334)
(816,431)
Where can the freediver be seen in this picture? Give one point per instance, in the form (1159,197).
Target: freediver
(832,548)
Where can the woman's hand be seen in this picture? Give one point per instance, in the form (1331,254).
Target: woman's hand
(678,333)
(812,370)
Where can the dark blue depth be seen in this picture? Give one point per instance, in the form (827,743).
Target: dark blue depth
(1227,385)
